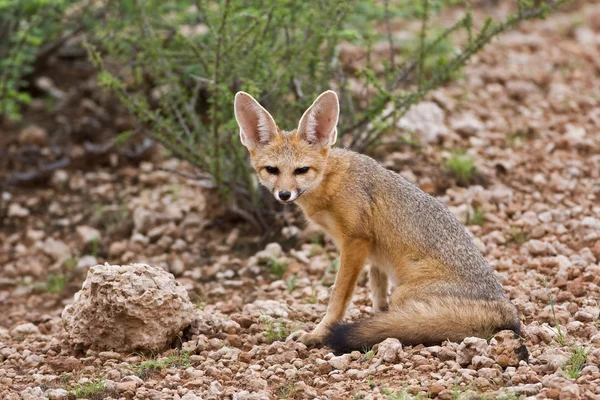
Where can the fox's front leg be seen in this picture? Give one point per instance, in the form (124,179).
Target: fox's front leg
(354,253)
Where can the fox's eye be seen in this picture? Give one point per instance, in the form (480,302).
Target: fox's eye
(272,170)
(300,171)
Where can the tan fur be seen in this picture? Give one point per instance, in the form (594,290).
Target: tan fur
(444,286)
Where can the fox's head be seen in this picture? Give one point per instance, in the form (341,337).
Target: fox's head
(292,163)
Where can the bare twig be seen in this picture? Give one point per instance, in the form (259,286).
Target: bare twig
(422,36)
(388,28)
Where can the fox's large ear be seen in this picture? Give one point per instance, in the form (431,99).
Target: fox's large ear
(318,125)
(257,127)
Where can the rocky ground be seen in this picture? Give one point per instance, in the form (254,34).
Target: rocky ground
(528,113)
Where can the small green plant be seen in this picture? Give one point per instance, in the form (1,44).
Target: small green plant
(371,382)
(277,267)
(369,355)
(333,267)
(462,167)
(312,299)
(276,329)
(517,236)
(517,139)
(477,217)
(152,366)
(91,390)
(95,251)
(560,337)
(55,283)
(576,362)
(291,283)
(287,391)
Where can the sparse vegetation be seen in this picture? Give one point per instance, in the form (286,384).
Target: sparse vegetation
(312,299)
(573,367)
(369,355)
(559,337)
(291,283)
(153,366)
(516,139)
(477,217)
(57,282)
(91,390)
(461,166)
(277,268)
(287,391)
(275,329)
(517,235)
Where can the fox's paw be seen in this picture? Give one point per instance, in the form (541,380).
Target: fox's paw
(315,338)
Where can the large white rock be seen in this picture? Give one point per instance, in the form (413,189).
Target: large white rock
(127,308)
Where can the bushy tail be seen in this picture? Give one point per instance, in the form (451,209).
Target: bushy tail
(429,322)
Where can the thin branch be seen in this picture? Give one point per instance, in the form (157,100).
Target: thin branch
(422,36)
(214,108)
(390,38)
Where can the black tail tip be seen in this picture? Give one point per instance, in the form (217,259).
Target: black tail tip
(340,338)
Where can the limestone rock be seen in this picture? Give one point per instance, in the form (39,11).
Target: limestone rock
(388,349)
(127,308)
(507,349)
(469,348)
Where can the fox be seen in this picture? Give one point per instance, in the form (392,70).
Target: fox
(443,287)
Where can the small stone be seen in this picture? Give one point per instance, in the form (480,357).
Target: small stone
(57,394)
(86,262)
(56,249)
(570,392)
(23,330)
(469,348)
(539,248)
(426,121)
(340,363)
(190,396)
(482,362)
(467,124)
(17,211)
(271,251)
(87,234)
(507,349)
(143,220)
(33,135)
(389,350)
(126,386)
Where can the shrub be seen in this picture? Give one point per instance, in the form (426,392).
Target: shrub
(282,52)
(177,66)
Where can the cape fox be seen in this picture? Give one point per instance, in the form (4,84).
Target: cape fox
(444,287)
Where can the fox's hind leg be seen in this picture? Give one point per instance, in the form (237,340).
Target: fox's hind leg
(378,283)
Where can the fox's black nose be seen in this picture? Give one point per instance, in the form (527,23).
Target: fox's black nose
(285,195)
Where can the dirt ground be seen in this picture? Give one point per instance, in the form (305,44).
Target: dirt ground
(527,110)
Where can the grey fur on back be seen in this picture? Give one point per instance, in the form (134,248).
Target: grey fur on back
(434,230)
